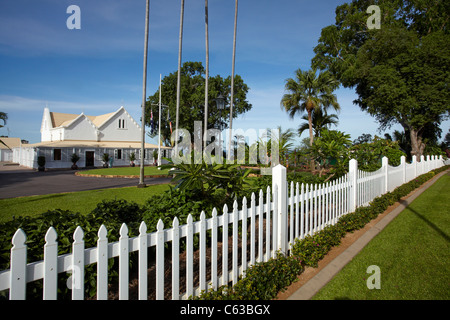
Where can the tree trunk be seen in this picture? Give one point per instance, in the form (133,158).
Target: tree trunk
(311,138)
(417,144)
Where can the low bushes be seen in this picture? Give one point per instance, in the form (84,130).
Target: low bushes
(308,251)
(180,203)
(262,282)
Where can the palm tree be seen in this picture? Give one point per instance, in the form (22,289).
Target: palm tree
(320,120)
(283,141)
(309,92)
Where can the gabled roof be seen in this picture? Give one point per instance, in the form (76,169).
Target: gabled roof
(65,119)
(10,143)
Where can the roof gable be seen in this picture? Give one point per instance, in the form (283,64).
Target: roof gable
(65,119)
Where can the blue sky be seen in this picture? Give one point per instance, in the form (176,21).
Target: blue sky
(98,68)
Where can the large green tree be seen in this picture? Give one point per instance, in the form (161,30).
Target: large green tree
(192,100)
(400,71)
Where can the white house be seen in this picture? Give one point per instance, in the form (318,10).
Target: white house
(63,134)
(6,147)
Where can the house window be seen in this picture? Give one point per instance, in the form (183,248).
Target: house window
(121,123)
(145,154)
(57,154)
(118,154)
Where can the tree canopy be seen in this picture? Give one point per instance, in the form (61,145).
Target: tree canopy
(192,100)
(401,70)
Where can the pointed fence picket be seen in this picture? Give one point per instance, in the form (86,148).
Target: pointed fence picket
(289,212)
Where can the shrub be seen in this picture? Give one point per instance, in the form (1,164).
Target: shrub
(262,281)
(120,211)
(180,203)
(41,161)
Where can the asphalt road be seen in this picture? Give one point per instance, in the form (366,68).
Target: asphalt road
(19,182)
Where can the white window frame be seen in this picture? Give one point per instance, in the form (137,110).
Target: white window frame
(116,154)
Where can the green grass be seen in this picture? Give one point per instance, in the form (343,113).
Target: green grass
(126,171)
(83,201)
(412,253)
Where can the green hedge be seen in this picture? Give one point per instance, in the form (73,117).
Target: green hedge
(265,280)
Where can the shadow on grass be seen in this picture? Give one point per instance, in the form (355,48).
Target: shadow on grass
(43,197)
(431,224)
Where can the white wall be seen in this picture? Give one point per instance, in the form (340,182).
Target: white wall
(27,156)
(6,155)
(81,129)
(110,131)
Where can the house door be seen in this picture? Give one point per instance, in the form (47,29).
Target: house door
(89,158)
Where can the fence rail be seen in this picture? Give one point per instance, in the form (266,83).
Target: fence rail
(256,231)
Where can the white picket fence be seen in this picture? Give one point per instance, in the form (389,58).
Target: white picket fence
(258,231)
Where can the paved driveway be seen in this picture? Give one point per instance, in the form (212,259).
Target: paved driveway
(18,182)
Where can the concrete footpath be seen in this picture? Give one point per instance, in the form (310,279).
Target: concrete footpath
(312,286)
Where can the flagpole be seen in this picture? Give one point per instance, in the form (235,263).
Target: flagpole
(229,155)
(159,123)
(144,87)
(207,73)
(180,46)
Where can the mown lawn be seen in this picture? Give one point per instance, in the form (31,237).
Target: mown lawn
(412,252)
(126,171)
(83,201)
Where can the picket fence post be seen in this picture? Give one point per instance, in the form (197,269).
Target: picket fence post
(77,277)
(18,267)
(279,179)
(353,179)
(414,163)
(102,263)
(422,164)
(143,258)
(123,262)
(403,165)
(159,261)
(175,259)
(384,166)
(50,265)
